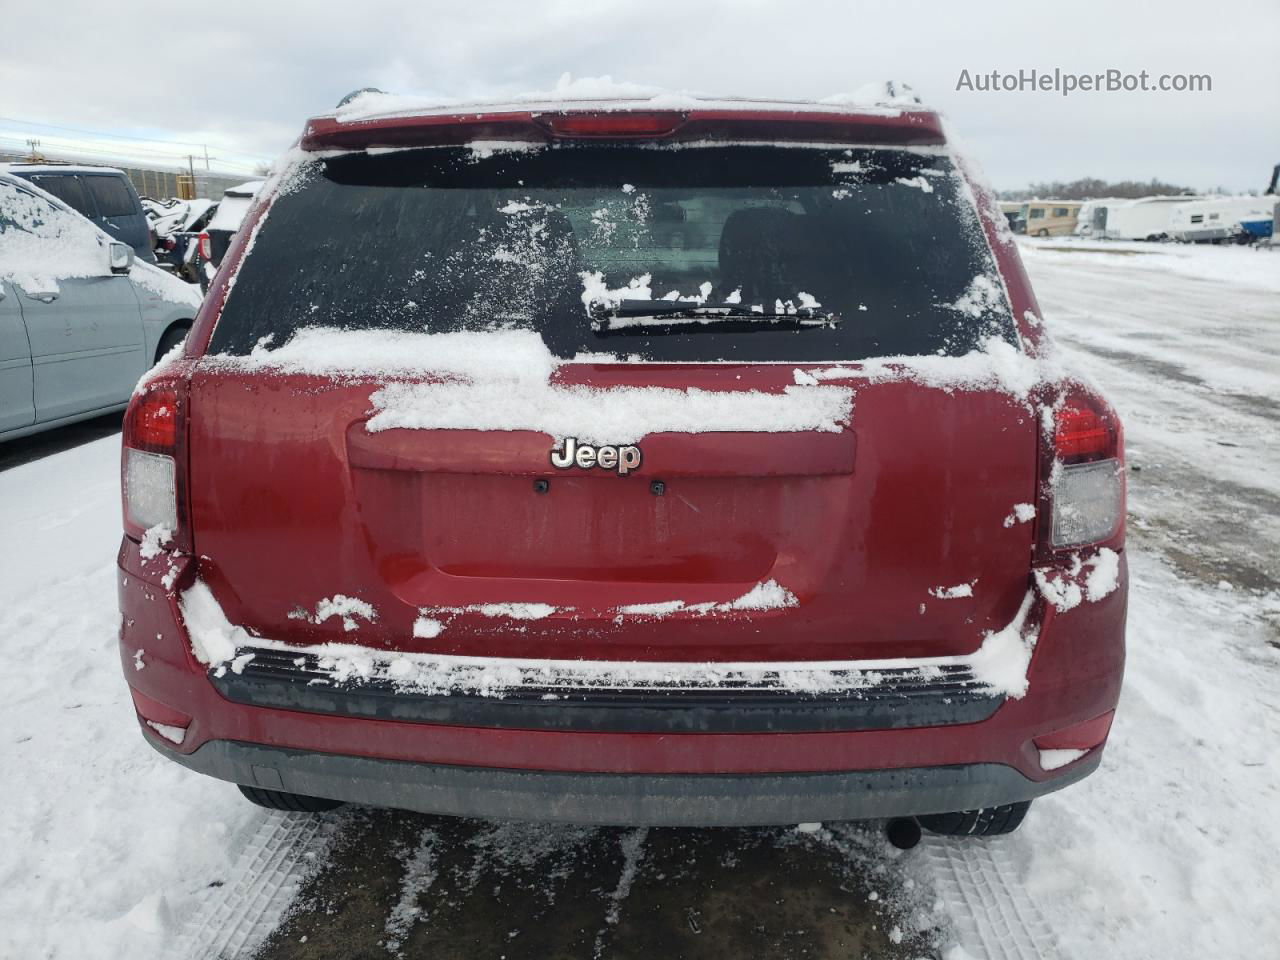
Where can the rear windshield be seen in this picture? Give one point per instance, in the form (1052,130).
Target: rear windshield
(114,198)
(879,245)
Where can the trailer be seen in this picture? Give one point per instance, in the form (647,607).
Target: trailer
(1215,219)
(1091,221)
(1147,218)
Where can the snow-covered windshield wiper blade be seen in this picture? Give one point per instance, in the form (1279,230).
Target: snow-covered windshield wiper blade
(657,316)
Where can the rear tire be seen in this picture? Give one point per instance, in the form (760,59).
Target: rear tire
(987,822)
(172,337)
(292,802)
(1042,232)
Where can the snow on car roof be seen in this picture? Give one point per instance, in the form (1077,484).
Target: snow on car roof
(248,189)
(603,93)
(20,167)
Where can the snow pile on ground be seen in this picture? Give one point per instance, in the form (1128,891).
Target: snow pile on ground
(1226,263)
(1169,849)
(107,846)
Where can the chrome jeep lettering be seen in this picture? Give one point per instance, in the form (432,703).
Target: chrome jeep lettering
(623,459)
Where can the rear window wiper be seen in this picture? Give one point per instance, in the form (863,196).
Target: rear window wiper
(654,316)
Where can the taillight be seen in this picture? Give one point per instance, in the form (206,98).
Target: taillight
(1084,469)
(1081,434)
(169,244)
(151,467)
(621,124)
(206,246)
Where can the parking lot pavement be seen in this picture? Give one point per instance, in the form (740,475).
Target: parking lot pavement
(405,885)
(13,453)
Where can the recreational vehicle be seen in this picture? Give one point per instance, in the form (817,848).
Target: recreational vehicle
(1012,210)
(1050,218)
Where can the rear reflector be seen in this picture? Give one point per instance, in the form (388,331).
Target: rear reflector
(1082,736)
(611,125)
(153,711)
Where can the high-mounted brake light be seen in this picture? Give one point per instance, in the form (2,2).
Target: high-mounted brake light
(622,124)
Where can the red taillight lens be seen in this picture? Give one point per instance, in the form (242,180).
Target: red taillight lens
(623,124)
(1081,434)
(170,243)
(206,246)
(152,420)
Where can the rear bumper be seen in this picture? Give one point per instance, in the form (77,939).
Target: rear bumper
(801,761)
(687,800)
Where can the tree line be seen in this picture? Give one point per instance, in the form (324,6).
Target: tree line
(1087,188)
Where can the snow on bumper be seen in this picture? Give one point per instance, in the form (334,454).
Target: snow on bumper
(1074,675)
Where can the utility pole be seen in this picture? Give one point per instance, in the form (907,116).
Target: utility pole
(34,146)
(206,157)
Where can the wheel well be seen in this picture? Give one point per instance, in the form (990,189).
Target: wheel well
(161,350)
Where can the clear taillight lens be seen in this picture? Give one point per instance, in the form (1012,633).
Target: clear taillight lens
(150,490)
(1088,502)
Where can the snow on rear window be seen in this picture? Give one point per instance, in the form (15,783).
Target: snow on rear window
(41,243)
(449,239)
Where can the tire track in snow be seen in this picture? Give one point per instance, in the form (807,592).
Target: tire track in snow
(632,851)
(237,917)
(995,918)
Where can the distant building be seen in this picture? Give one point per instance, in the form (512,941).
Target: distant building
(149,180)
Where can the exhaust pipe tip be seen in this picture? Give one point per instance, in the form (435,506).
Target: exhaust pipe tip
(903,832)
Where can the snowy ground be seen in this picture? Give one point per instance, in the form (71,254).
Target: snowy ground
(1169,850)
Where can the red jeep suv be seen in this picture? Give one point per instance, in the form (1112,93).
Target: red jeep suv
(664,461)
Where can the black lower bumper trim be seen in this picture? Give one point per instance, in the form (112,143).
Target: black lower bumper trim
(622,799)
(898,700)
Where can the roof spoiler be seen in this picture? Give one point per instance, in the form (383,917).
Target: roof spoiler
(903,127)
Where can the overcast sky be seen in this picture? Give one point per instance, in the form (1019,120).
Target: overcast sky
(243,76)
